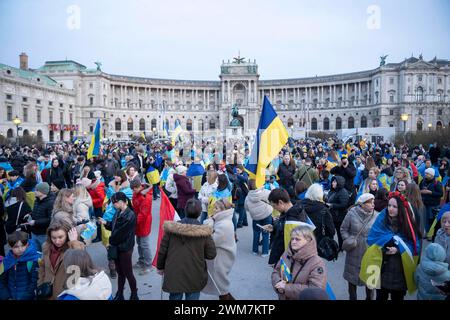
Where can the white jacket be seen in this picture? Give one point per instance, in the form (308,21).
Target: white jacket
(205,192)
(171,185)
(257,204)
(81,209)
(97,288)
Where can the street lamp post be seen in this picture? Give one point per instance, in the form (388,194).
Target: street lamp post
(404,118)
(17,122)
(430,126)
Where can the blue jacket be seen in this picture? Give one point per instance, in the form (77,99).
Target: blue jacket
(432,267)
(20,275)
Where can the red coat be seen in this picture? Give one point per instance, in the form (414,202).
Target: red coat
(98,195)
(142,206)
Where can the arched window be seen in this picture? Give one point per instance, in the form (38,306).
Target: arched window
(118,125)
(439,125)
(39,133)
(351,123)
(313,124)
(10,133)
(419,125)
(189,125)
(290,123)
(153,124)
(26,133)
(142,125)
(201,125)
(363,122)
(419,94)
(338,123)
(326,124)
(51,136)
(212,124)
(130,124)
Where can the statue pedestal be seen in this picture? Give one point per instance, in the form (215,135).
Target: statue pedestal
(234,133)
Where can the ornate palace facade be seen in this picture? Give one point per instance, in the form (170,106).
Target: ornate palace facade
(64,98)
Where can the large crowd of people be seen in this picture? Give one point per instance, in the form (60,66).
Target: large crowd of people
(382,206)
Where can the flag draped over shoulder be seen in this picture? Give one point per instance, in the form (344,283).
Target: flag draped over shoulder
(94,147)
(271,136)
(438,218)
(166,213)
(152,175)
(372,260)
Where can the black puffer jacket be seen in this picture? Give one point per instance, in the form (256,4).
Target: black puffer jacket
(338,199)
(56,176)
(123,228)
(316,210)
(295,213)
(42,214)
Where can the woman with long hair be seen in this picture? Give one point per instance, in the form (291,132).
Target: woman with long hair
(55,177)
(61,236)
(63,206)
(81,206)
(394,247)
(412,193)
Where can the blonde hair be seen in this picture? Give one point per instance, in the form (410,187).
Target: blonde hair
(60,202)
(304,231)
(80,191)
(223,204)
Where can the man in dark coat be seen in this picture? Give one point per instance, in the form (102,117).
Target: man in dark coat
(183,252)
(280,201)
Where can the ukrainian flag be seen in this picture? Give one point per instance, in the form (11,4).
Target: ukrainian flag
(165,130)
(285,272)
(271,136)
(196,171)
(94,147)
(372,260)
(177,131)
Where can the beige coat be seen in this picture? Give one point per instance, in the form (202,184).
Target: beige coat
(307,269)
(352,224)
(56,275)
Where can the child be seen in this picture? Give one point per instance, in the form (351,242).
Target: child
(432,268)
(20,269)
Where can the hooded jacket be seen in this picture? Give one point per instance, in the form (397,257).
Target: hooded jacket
(257,204)
(220,268)
(20,275)
(97,288)
(444,240)
(338,199)
(182,255)
(307,270)
(431,267)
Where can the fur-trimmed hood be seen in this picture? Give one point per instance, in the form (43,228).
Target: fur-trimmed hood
(187,230)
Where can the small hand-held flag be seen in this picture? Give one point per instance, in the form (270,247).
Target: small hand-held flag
(285,272)
(94,147)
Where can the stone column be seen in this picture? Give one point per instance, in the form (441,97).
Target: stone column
(368,92)
(229,92)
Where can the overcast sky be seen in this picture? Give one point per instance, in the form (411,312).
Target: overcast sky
(182,39)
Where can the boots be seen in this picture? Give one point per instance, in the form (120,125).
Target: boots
(134,296)
(112,269)
(227,296)
(119,296)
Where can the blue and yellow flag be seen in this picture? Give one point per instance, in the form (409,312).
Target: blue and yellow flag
(94,147)
(271,136)
(176,132)
(372,260)
(285,272)
(143,136)
(165,132)
(196,171)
